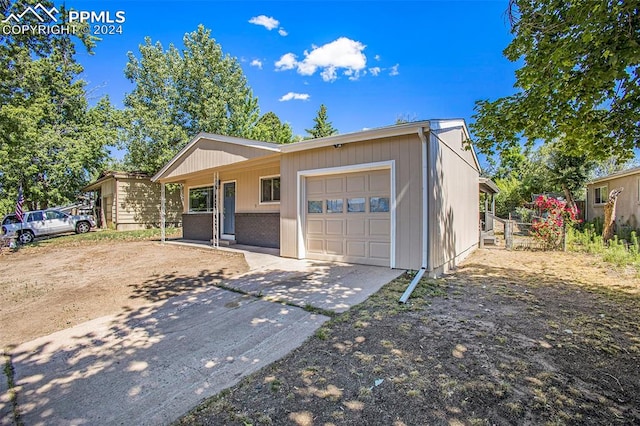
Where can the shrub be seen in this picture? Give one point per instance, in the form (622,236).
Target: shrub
(549,229)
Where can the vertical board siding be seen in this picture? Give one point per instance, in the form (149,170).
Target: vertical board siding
(454,201)
(139,204)
(405,150)
(207,154)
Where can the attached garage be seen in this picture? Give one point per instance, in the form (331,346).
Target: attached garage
(347,217)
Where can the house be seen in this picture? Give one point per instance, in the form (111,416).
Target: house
(404,196)
(627,204)
(126,201)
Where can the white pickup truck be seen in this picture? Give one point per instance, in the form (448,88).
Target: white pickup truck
(39,223)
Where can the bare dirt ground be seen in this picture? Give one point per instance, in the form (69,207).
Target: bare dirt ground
(48,288)
(517,337)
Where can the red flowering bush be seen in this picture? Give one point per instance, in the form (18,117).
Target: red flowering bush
(549,229)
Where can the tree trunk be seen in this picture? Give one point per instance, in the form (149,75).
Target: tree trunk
(571,202)
(610,215)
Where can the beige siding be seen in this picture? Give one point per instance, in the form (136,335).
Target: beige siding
(627,205)
(208,154)
(247,186)
(138,204)
(405,150)
(453,202)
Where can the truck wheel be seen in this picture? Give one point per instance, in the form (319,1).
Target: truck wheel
(26,237)
(82,227)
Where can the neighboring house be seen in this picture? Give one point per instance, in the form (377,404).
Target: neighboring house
(628,202)
(127,201)
(405,196)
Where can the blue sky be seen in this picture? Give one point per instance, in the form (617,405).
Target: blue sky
(368,62)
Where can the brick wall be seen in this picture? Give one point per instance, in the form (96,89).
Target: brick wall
(258,229)
(197,226)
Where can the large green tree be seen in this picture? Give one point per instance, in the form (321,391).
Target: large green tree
(179,93)
(51,140)
(323,126)
(270,129)
(579,80)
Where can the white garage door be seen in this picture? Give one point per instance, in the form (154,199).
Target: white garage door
(348,217)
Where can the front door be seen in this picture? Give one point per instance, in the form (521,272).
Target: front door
(228,210)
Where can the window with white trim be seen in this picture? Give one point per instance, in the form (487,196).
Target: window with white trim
(201,199)
(600,195)
(270,189)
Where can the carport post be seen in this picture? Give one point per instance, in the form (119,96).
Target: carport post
(162,213)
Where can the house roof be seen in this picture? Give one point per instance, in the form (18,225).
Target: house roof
(266,147)
(488,186)
(623,173)
(113,174)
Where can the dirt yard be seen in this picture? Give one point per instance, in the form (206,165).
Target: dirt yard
(521,338)
(45,289)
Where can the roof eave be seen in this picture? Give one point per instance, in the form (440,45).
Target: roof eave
(379,133)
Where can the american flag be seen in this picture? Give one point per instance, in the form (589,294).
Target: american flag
(19,203)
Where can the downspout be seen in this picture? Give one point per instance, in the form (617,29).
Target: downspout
(425,216)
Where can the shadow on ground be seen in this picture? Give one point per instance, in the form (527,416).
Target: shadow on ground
(510,339)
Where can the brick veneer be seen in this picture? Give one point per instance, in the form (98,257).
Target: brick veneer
(258,229)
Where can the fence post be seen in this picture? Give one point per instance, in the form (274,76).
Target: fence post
(508,235)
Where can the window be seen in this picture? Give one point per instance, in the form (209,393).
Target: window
(355,205)
(314,206)
(335,206)
(35,217)
(270,189)
(201,199)
(600,195)
(378,204)
(52,214)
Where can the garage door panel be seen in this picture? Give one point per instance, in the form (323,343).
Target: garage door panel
(356,248)
(356,227)
(353,232)
(379,250)
(315,245)
(335,247)
(379,182)
(379,227)
(334,185)
(315,187)
(356,184)
(315,226)
(335,226)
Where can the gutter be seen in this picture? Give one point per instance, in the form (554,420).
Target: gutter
(425,217)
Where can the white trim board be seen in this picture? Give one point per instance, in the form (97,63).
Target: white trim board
(353,168)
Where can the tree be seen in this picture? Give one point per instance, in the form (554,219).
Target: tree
(609,228)
(323,126)
(179,93)
(270,129)
(579,81)
(51,141)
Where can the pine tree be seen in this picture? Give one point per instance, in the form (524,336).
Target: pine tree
(323,126)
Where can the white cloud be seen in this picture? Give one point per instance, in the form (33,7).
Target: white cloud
(375,71)
(286,62)
(282,32)
(394,70)
(256,63)
(342,53)
(297,96)
(377,57)
(266,21)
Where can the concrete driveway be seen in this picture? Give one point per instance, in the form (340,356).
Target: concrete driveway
(152,365)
